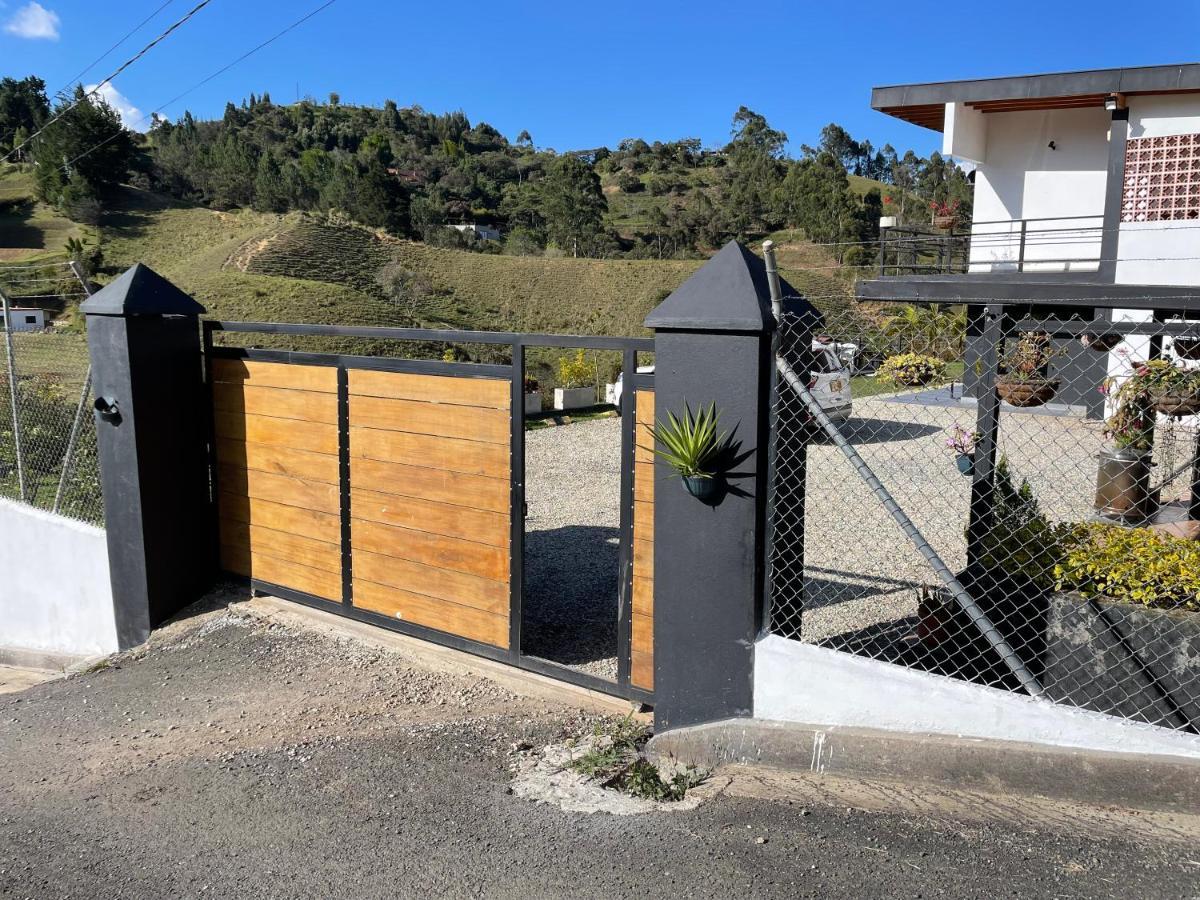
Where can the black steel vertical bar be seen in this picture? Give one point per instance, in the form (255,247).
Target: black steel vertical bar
(516,565)
(210,419)
(343,395)
(1194,501)
(625,556)
(995,328)
(1021,249)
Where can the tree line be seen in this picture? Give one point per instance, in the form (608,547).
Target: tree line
(414,173)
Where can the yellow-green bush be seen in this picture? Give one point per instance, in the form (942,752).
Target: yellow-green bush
(575,371)
(1135,565)
(912,369)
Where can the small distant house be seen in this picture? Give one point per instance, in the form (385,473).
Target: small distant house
(481,232)
(26,318)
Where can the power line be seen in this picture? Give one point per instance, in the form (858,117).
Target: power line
(206,80)
(125,65)
(76,79)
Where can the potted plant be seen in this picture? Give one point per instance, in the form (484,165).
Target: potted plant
(533,396)
(912,369)
(963,442)
(576,388)
(1187,347)
(1024,371)
(1123,477)
(690,445)
(1172,390)
(945,213)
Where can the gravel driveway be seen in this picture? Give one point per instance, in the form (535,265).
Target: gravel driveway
(238,758)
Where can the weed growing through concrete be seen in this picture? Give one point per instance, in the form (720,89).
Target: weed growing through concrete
(615,759)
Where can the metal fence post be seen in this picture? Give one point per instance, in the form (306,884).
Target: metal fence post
(144,343)
(712,345)
(14,398)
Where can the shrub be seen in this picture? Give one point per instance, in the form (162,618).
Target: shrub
(574,371)
(912,369)
(1021,540)
(1135,565)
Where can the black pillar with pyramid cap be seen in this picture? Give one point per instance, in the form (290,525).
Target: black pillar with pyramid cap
(152,429)
(713,345)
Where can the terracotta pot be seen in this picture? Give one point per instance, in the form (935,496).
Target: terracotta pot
(944,221)
(1026,393)
(1177,404)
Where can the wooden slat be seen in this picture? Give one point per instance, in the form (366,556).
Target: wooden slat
(278,460)
(431,549)
(315,495)
(642,670)
(643,596)
(469,457)
(327,585)
(278,375)
(470,423)
(283,545)
(432,484)
(440,584)
(305,406)
(315,436)
(643,634)
(434,518)
(449,617)
(310,523)
(643,482)
(643,559)
(491,393)
(643,520)
(643,417)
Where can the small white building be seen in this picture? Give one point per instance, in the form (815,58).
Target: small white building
(481,232)
(26,318)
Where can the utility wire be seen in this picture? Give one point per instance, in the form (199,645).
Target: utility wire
(125,65)
(206,80)
(71,82)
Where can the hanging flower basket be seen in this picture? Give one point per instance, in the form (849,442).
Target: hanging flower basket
(1026,394)
(1187,347)
(1177,404)
(1101,343)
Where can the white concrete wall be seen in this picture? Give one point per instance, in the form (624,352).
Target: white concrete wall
(55,592)
(796,682)
(1022,178)
(965,133)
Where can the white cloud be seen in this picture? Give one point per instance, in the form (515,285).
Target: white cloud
(130,114)
(35,22)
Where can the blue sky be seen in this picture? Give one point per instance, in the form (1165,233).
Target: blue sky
(581,76)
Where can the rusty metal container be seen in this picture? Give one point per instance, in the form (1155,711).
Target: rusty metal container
(1123,485)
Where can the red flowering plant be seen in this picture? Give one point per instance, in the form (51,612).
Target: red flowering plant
(944,209)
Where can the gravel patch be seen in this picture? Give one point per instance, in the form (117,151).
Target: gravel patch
(572,544)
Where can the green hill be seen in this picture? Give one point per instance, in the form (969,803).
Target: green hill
(31,231)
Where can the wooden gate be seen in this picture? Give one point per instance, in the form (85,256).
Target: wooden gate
(385,489)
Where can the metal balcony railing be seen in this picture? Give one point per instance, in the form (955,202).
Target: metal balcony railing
(1059,244)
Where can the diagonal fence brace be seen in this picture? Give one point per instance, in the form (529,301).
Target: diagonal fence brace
(977,616)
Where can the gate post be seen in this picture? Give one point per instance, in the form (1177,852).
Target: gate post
(712,345)
(151,435)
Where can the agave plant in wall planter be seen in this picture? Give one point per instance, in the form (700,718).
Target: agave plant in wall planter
(691,445)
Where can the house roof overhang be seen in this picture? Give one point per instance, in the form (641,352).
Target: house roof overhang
(1027,289)
(925,104)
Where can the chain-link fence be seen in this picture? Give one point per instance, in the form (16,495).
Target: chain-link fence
(1047,458)
(47,431)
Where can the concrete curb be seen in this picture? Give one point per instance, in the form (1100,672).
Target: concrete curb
(433,656)
(1134,780)
(45,660)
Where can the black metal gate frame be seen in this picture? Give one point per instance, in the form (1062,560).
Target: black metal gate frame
(515,373)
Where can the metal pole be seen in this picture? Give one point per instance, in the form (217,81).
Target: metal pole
(12,394)
(773,280)
(964,599)
(68,463)
(776,289)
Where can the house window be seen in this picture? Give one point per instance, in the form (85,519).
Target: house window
(31,320)
(1162,178)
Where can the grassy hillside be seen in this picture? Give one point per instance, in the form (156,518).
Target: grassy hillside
(31,231)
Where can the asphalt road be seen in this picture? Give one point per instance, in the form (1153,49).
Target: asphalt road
(236,758)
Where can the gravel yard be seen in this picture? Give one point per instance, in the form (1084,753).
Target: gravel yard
(573,494)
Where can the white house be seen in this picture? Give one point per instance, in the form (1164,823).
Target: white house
(481,232)
(26,318)
(1087,192)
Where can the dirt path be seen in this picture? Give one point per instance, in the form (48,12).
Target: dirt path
(240,758)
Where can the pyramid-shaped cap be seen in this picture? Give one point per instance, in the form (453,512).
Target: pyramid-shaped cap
(730,292)
(140,291)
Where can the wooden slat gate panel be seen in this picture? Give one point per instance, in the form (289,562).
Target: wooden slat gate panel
(642,653)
